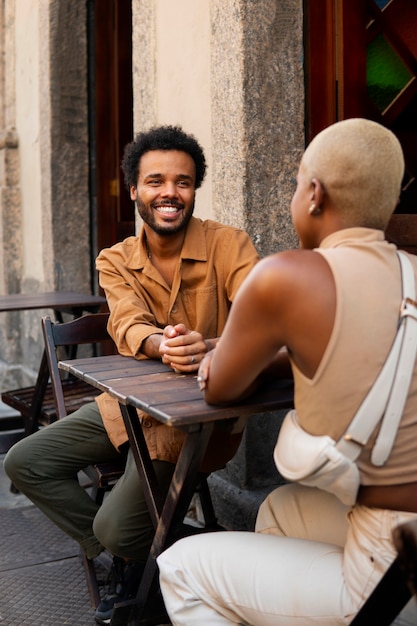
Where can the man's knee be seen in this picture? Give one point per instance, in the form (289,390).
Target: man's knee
(129,543)
(16,460)
(106,529)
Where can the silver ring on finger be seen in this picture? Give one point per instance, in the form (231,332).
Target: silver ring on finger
(192,359)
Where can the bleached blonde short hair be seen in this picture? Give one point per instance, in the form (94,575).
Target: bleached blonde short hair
(361,166)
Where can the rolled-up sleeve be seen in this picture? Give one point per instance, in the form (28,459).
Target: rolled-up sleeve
(135,308)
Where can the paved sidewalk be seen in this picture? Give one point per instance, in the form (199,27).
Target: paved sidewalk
(42,581)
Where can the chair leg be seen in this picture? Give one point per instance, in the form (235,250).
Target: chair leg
(97,493)
(405,541)
(386,601)
(91,577)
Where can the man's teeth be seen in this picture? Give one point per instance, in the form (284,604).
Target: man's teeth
(167,209)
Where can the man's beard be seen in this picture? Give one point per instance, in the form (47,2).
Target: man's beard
(147,216)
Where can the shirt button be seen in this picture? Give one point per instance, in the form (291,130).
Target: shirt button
(174,309)
(147,423)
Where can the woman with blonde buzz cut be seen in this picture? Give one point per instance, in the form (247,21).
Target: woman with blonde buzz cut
(329,311)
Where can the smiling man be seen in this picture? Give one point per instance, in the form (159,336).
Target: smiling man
(169,292)
(173,172)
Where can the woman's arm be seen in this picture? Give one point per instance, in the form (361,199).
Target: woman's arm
(288,300)
(249,342)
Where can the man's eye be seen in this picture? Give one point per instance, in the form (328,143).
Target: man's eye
(183,183)
(154,181)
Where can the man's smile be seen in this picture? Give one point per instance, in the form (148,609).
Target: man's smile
(168,209)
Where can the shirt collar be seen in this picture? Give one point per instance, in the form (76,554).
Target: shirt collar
(194,247)
(347,235)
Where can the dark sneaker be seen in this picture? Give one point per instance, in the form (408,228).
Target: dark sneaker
(123,583)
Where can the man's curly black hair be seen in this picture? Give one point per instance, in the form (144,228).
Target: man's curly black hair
(161,138)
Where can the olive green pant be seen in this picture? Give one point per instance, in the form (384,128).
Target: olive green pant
(44,467)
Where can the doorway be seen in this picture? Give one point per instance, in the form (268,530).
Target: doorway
(361,61)
(110,120)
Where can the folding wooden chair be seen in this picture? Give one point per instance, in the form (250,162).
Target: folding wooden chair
(69,394)
(405,541)
(36,404)
(386,601)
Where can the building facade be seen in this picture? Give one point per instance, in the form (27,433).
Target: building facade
(229,72)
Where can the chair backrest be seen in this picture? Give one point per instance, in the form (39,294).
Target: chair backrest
(88,329)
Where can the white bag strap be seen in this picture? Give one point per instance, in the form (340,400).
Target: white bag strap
(387,397)
(403,374)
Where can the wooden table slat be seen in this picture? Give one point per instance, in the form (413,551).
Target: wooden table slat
(112,366)
(188,411)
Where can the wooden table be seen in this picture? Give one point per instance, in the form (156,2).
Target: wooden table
(175,400)
(59,301)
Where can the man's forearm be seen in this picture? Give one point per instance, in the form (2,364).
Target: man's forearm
(150,346)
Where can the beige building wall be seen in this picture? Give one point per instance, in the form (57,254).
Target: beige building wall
(172,71)
(33,131)
(183,90)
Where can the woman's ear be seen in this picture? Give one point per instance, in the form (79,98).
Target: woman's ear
(317,194)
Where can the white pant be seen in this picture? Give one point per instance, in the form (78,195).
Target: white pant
(311,561)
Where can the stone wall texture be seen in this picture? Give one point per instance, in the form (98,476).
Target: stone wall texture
(258,139)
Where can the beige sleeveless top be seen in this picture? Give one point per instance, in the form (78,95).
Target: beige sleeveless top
(367,275)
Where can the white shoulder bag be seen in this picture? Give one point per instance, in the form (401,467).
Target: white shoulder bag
(319,461)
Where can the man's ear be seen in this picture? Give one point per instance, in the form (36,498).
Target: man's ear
(133,193)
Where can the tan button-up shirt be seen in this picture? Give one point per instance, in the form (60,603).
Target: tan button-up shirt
(214,261)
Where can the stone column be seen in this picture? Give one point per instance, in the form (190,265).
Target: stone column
(258,139)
